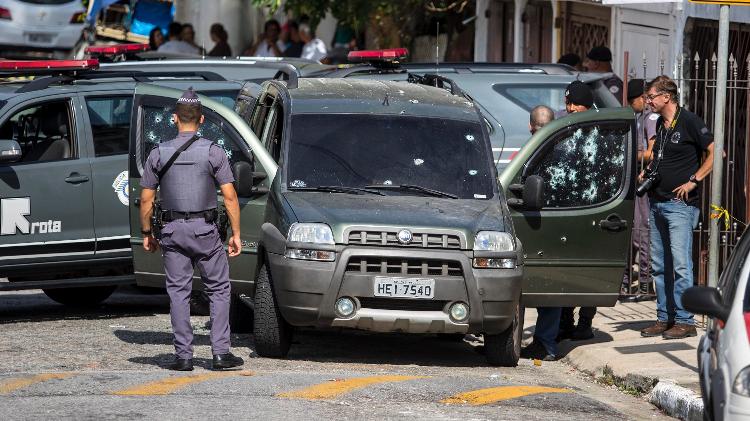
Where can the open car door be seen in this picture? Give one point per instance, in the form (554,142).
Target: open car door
(576,246)
(152,123)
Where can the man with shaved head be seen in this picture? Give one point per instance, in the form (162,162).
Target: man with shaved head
(539,117)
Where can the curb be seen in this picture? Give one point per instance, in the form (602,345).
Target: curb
(677,401)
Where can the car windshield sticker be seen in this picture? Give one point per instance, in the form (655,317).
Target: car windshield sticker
(120,185)
(298,183)
(14,213)
(480,196)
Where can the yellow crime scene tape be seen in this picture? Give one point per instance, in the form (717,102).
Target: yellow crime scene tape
(720,212)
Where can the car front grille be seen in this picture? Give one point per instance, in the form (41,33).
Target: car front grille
(399,266)
(401,304)
(389,238)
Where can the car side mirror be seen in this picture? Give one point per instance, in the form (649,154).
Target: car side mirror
(532,194)
(243,178)
(10,151)
(706,301)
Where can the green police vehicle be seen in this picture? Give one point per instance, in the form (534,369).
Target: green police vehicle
(376,205)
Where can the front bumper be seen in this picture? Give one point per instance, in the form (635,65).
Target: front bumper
(306,292)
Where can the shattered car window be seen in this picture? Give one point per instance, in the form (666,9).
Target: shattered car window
(159,126)
(583,169)
(357,150)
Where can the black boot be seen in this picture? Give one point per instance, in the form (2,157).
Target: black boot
(227,360)
(181,364)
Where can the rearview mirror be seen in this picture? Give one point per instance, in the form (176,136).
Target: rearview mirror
(243,178)
(706,301)
(10,151)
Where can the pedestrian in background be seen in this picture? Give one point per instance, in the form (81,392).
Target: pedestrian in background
(269,44)
(188,35)
(190,236)
(599,60)
(544,345)
(155,38)
(578,98)
(315,48)
(176,44)
(681,139)
(572,60)
(645,124)
(219,37)
(294,44)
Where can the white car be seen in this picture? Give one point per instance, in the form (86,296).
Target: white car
(33,26)
(724,351)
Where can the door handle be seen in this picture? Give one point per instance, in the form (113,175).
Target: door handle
(613,223)
(75,178)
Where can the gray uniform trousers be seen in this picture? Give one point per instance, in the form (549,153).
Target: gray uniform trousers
(185,244)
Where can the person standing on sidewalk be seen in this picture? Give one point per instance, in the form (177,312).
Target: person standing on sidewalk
(578,98)
(681,138)
(645,125)
(544,345)
(599,60)
(190,236)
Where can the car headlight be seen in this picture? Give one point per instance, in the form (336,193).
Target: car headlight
(493,241)
(742,382)
(313,234)
(310,233)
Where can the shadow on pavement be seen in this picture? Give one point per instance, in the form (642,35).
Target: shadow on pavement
(564,347)
(663,349)
(164,360)
(136,337)
(35,306)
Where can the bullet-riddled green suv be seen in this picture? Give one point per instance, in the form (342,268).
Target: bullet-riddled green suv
(376,206)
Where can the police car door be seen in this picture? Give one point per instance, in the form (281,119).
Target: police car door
(151,123)
(576,247)
(46,196)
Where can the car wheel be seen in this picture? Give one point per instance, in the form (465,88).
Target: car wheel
(272,334)
(80,297)
(504,349)
(240,315)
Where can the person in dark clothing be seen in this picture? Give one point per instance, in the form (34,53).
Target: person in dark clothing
(155,38)
(599,60)
(294,43)
(571,59)
(219,37)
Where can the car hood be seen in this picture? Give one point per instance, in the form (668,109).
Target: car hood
(341,211)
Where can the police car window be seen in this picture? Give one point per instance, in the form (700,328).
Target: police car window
(159,126)
(584,167)
(110,124)
(529,96)
(44,131)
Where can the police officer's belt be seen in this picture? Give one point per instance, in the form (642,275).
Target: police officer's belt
(209,215)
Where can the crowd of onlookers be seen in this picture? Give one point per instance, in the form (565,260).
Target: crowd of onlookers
(292,39)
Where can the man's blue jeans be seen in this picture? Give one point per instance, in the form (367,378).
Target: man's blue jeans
(547,327)
(672,224)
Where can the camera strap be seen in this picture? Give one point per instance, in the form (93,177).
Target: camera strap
(665,135)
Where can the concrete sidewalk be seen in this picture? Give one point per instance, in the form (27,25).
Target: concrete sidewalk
(665,370)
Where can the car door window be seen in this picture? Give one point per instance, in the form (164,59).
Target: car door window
(583,166)
(159,126)
(45,131)
(271,136)
(730,277)
(110,124)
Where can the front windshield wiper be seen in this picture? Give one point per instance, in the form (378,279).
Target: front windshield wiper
(338,189)
(412,187)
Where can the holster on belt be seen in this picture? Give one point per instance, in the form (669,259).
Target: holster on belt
(157,223)
(222,222)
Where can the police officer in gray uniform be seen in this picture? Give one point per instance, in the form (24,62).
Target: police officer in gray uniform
(190,235)
(599,60)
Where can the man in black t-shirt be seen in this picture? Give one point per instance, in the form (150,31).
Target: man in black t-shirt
(681,139)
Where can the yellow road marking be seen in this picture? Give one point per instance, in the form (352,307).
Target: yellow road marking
(335,388)
(15,384)
(171,384)
(495,394)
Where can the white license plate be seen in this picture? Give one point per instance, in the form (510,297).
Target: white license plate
(42,38)
(418,288)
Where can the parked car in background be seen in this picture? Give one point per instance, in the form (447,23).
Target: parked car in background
(724,350)
(40,27)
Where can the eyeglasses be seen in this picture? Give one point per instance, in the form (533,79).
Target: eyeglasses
(652,97)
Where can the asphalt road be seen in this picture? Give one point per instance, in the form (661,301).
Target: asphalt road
(61,363)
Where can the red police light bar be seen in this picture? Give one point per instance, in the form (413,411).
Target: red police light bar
(47,66)
(391,54)
(117,49)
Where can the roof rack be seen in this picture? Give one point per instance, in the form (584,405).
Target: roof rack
(546,68)
(286,72)
(438,82)
(43,83)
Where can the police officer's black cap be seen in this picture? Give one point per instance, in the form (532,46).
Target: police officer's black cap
(635,88)
(600,53)
(578,93)
(189,97)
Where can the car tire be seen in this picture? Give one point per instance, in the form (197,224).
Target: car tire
(504,349)
(240,315)
(80,297)
(271,333)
